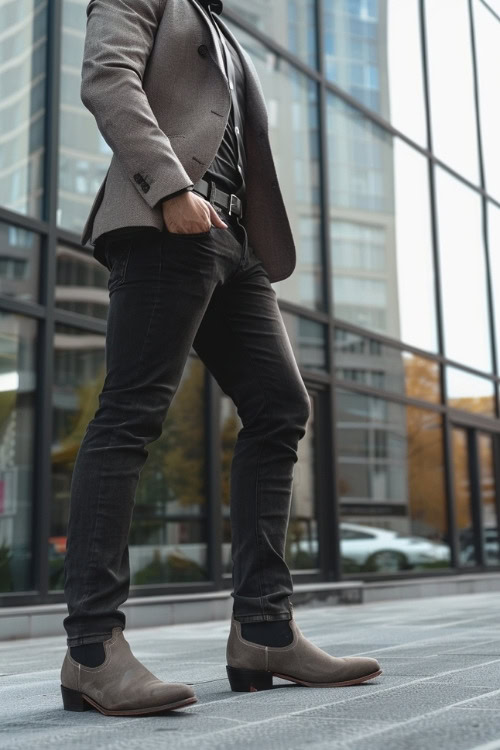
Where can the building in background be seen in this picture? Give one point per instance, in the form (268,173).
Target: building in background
(384,120)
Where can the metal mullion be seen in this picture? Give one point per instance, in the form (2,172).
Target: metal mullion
(23,221)
(83,323)
(18,307)
(496,476)
(493,12)
(446,424)
(332,569)
(475,495)
(484,209)
(316,316)
(42,474)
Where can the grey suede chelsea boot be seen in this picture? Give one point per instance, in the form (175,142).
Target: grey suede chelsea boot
(121,685)
(250,666)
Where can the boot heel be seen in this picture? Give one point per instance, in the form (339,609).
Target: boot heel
(73,700)
(249,680)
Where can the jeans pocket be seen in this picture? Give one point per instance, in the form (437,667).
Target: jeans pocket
(116,254)
(189,235)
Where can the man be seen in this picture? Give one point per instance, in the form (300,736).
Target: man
(191,223)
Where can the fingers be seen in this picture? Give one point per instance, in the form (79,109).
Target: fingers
(215,218)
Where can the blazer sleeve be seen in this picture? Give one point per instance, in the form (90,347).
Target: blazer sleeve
(119,37)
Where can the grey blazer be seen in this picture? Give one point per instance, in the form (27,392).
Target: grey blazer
(152,79)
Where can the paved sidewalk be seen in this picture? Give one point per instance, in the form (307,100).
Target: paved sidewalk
(440,688)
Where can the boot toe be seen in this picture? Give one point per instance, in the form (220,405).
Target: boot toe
(171,692)
(361,666)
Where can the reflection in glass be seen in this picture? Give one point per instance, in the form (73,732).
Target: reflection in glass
(81,283)
(463,498)
(79,371)
(19,263)
(367,361)
(302,551)
(290,23)
(17,402)
(84,155)
(470,392)
(23,52)
(292,104)
(487,31)
(463,273)
(453,109)
(308,340)
(488,490)
(372,50)
(167,540)
(380,230)
(391,484)
(302,538)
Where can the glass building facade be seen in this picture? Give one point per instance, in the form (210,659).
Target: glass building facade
(384,121)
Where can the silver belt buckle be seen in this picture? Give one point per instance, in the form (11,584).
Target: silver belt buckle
(233,203)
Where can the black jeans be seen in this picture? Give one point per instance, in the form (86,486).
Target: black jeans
(169,292)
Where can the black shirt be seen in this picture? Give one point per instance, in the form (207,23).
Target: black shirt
(228,167)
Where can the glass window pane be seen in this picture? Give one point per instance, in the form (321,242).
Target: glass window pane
(290,23)
(487,29)
(23,51)
(19,263)
(470,392)
(453,109)
(391,483)
(84,155)
(308,339)
(380,230)
(82,283)
(372,50)
(488,489)
(463,273)
(17,403)
(292,103)
(168,536)
(364,360)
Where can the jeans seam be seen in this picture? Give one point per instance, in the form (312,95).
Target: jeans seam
(157,288)
(263,618)
(82,640)
(257,503)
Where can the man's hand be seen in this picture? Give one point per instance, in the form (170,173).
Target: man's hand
(189,213)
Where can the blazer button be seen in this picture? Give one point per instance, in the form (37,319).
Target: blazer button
(145,187)
(203,50)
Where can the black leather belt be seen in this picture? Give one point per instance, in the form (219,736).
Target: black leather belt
(228,201)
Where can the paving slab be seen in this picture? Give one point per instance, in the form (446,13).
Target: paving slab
(440,688)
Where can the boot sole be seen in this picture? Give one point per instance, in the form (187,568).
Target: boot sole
(252,681)
(75,701)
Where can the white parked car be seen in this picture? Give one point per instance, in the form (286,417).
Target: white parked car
(374,549)
(384,550)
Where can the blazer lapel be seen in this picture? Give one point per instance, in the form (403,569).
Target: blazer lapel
(219,61)
(256,104)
